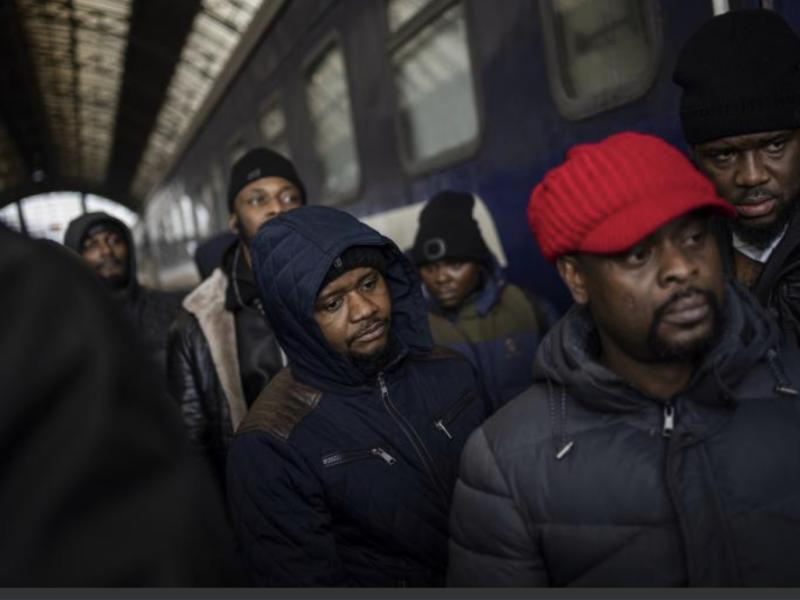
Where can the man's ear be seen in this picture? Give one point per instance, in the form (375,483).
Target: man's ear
(574,278)
(233,223)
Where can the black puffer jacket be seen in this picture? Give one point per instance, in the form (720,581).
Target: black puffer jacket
(583,481)
(222,352)
(150,311)
(337,478)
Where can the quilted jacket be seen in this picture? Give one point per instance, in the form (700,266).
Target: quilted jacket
(336,477)
(584,481)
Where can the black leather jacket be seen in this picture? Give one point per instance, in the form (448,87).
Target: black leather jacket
(219,358)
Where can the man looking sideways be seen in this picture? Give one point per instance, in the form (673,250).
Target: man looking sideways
(660,445)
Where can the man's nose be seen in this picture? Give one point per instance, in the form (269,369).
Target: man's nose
(751,171)
(676,265)
(361,307)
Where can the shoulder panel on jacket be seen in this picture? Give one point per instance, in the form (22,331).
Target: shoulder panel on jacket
(281,406)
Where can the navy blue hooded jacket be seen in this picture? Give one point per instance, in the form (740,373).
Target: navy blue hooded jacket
(335,477)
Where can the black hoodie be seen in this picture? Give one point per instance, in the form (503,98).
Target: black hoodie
(151,311)
(99,484)
(589,482)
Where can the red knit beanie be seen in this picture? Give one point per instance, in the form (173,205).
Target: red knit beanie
(608,196)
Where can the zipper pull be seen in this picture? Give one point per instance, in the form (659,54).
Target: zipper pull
(669,421)
(440,426)
(382,385)
(381,453)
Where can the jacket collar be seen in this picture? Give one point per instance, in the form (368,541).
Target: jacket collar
(568,356)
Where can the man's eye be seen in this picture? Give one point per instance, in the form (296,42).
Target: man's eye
(289,199)
(721,156)
(369,284)
(255,200)
(638,256)
(776,145)
(333,305)
(695,238)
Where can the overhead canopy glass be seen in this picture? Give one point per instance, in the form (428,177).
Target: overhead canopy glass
(78,50)
(215,34)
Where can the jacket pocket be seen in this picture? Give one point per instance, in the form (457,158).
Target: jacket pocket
(452,413)
(343,457)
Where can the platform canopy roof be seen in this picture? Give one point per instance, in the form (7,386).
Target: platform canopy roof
(100,95)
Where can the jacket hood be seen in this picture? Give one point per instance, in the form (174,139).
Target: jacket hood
(77,230)
(568,356)
(291,255)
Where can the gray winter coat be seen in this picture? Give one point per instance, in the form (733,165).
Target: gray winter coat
(584,481)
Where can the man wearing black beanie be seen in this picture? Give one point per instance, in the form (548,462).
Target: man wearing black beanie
(222,351)
(471,307)
(740,112)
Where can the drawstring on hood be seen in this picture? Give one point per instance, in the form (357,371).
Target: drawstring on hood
(567,358)
(783,385)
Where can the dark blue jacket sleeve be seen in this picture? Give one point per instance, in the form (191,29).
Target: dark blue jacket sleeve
(280,515)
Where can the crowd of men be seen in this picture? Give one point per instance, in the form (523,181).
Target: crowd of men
(378,416)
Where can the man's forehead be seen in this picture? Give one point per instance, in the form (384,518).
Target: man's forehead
(102,229)
(345,281)
(273,183)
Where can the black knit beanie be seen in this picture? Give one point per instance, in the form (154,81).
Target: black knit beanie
(447,230)
(353,258)
(740,73)
(258,163)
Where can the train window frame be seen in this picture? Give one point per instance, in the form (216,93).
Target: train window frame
(327,197)
(581,108)
(406,32)
(275,100)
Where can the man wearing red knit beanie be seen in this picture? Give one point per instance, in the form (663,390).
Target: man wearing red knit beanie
(660,443)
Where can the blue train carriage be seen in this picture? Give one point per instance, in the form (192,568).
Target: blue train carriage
(381,104)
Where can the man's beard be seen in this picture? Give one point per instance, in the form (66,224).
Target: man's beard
(762,236)
(665,351)
(374,363)
(116,282)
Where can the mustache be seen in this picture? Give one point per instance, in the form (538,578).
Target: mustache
(367,326)
(111,262)
(659,313)
(757,194)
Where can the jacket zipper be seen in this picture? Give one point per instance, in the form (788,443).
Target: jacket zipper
(412,436)
(669,421)
(342,458)
(452,413)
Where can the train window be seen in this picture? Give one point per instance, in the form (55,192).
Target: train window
(437,110)
(600,53)
(187,217)
(332,123)
(273,126)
